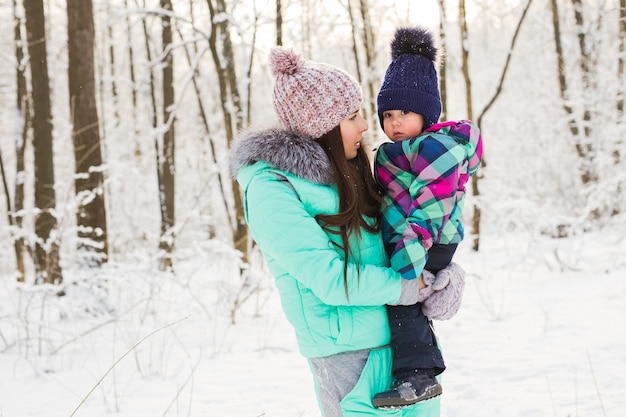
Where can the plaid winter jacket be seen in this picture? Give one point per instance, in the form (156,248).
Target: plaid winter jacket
(424,181)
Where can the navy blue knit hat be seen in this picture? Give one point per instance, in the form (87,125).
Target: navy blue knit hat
(411,79)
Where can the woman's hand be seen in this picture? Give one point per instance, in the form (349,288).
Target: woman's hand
(426,289)
(429,283)
(444,300)
(422,284)
(445,289)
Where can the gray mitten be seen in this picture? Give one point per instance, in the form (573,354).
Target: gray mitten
(444,303)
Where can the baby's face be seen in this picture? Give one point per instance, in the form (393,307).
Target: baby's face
(400,125)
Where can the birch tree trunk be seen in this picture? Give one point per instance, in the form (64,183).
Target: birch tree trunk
(470,115)
(47,245)
(621,89)
(581,143)
(88,182)
(131,61)
(621,58)
(21,136)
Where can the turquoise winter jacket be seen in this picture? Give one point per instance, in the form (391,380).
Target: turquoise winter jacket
(286,181)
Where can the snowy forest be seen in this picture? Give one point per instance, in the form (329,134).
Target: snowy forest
(125,257)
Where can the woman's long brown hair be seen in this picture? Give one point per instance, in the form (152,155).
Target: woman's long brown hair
(359,195)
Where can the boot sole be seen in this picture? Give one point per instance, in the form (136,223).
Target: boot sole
(398,402)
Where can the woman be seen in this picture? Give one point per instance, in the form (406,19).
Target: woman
(313,208)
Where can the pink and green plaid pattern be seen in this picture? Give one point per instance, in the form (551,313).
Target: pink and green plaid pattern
(424,181)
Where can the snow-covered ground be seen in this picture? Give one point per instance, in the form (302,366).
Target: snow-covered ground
(540,333)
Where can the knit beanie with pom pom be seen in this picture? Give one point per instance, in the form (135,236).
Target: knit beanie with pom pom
(410,82)
(311,98)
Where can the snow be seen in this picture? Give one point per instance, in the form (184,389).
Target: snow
(539,334)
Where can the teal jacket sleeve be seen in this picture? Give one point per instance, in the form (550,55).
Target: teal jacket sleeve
(291,237)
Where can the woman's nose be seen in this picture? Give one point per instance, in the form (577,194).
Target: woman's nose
(364,125)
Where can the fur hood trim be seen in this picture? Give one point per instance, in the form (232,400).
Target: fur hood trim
(284,150)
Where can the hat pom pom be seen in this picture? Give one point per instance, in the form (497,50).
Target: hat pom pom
(285,61)
(414,41)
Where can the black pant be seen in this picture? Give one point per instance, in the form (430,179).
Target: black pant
(413,340)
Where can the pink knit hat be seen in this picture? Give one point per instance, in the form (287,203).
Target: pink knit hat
(311,98)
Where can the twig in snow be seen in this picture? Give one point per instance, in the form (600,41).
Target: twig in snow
(550,392)
(120,359)
(596,384)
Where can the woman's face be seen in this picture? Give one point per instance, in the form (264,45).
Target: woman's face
(352,128)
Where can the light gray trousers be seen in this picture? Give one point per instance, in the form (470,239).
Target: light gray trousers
(335,376)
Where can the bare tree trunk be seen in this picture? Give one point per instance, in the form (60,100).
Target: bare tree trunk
(230,102)
(581,148)
(621,57)
(168,161)
(205,121)
(89,187)
(279,23)
(19,257)
(231,76)
(370,58)
(133,81)
(153,103)
(585,62)
(47,246)
(465,59)
(443,89)
(621,89)
(470,115)
(563,88)
(355,42)
(151,81)
(112,70)
(248,75)
(131,60)
(21,136)
(479,175)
